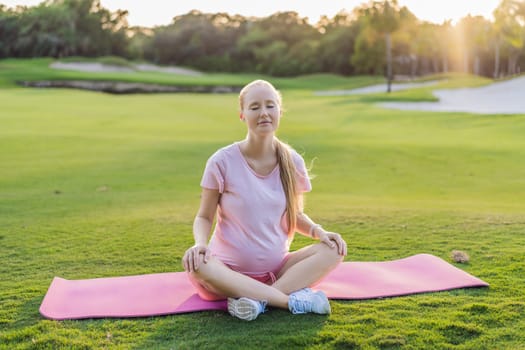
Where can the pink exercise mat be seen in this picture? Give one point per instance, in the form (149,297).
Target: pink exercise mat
(172,293)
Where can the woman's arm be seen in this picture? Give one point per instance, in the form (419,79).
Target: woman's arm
(201,229)
(308,227)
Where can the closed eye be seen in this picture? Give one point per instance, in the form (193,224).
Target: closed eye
(256,107)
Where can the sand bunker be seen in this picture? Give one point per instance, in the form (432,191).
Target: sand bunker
(372,89)
(100,67)
(506,97)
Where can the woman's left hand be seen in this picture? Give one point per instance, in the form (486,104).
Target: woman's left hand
(333,240)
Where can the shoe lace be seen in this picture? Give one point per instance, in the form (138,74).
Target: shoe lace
(300,303)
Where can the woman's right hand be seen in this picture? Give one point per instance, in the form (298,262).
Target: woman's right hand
(191,259)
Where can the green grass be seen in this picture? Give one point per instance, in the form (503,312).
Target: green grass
(95,185)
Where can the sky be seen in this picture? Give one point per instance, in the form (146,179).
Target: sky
(149,13)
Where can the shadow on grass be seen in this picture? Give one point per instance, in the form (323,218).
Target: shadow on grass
(28,314)
(218,330)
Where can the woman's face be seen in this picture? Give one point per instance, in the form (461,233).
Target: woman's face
(261,110)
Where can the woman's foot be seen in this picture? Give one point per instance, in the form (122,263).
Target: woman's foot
(245,308)
(306,300)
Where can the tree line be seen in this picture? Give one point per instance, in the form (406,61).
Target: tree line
(376,37)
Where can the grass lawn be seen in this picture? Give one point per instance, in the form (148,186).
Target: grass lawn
(96,185)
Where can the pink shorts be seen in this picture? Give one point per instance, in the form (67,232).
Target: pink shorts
(265,277)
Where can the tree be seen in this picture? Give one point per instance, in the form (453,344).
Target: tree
(204,41)
(282,44)
(337,43)
(474,31)
(369,51)
(378,37)
(384,17)
(9,29)
(509,27)
(410,46)
(140,43)
(65,27)
(445,35)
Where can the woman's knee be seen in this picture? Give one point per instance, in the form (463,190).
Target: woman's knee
(330,254)
(205,271)
(202,280)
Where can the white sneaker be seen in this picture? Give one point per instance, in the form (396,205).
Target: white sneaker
(245,308)
(306,300)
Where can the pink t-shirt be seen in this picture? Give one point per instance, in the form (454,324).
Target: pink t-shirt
(251,231)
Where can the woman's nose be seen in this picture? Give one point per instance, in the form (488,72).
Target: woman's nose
(265,111)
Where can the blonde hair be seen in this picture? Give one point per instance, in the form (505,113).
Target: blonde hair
(287,167)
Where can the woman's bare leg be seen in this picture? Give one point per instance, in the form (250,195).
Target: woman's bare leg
(304,268)
(307,266)
(220,279)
